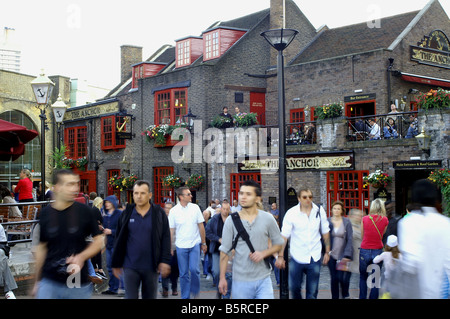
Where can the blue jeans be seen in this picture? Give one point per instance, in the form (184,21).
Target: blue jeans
(188,262)
(113,281)
(259,289)
(338,278)
(312,272)
(50,289)
(366,257)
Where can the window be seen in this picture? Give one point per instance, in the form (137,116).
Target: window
(184,53)
(347,186)
(170,106)
(237,179)
(111,173)
(212,45)
(162,193)
(75,139)
(108,133)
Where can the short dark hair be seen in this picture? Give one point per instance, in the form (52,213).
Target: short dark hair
(424,193)
(60,172)
(303,189)
(4,191)
(252,183)
(92,195)
(143,182)
(180,190)
(225,107)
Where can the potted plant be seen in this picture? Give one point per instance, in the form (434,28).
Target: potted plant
(441,177)
(172,180)
(221,122)
(377,179)
(245,119)
(328,111)
(195,181)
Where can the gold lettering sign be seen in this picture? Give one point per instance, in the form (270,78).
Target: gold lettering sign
(433,49)
(299,163)
(92,111)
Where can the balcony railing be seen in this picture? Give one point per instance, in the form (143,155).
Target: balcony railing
(383,126)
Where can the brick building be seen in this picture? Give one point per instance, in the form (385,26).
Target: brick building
(230,64)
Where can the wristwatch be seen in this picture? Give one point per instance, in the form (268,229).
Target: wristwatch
(203,244)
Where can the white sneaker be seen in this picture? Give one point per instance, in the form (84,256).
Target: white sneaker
(10,295)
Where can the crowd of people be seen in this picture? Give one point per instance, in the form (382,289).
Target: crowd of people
(151,249)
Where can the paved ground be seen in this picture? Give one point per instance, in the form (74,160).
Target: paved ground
(21,263)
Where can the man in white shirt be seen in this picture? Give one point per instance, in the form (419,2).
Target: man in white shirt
(424,240)
(301,224)
(374,133)
(187,220)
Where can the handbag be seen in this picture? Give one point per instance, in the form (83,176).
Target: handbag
(320,231)
(342,265)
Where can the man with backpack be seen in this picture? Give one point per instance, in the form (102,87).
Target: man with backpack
(248,233)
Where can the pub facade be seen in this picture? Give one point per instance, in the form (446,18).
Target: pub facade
(364,68)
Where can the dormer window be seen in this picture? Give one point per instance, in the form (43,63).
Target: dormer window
(218,40)
(188,50)
(212,45)
(144,70)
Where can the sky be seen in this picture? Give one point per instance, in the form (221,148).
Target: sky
(82,38)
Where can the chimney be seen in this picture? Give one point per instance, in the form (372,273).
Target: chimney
(130,55)
(277,14)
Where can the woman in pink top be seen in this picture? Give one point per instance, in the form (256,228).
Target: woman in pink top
(25,187)
(373,226)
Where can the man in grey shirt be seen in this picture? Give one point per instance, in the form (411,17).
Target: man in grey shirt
(251,275)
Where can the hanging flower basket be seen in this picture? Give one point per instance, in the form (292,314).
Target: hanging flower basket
(441,177)
(434,99)
(195,181)
(121,182)
(79,163)
(160,134)
(172,180)
(377,179)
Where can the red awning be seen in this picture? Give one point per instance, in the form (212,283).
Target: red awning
(426,80)
(13,138)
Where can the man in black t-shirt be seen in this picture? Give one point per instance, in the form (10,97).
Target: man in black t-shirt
(62,252)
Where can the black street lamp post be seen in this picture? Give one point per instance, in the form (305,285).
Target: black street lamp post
(42,89)
(280,40)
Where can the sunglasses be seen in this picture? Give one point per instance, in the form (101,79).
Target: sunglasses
(306,197)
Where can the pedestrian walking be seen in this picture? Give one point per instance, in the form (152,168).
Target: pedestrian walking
(62,252)
(355,216)
(111,215)
(373,226)
(174,272)
(186,219)
(424,241)
(214,233)
(341,254)
(97,206)
(251,268)
(142,245)
(305,224)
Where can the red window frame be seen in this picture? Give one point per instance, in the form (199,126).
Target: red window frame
(161,192)
(236,180)
(347,186)
(75,139)
(110,173)
(170,106)
(108,133)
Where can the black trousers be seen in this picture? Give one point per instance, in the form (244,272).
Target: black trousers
(147,279)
